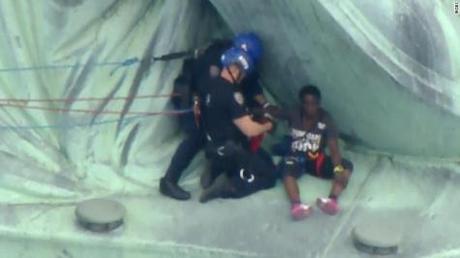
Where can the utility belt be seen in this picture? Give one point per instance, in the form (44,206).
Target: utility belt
(228,148)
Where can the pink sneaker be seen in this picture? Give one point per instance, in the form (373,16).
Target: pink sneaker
(328,205)
(300,211)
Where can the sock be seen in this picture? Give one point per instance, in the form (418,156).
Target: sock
(295,202)
(333,197)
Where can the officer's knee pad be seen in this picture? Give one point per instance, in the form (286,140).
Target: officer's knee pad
(246,175)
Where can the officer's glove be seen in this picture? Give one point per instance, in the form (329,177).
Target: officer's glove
(260,116)
(272,112)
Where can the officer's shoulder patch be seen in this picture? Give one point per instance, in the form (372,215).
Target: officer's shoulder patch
(239,98)
(214,71)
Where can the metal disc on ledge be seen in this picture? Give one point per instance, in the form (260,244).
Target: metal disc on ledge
(376,236)
(100,215)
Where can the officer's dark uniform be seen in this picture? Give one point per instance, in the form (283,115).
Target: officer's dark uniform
(228,149)
(195,79)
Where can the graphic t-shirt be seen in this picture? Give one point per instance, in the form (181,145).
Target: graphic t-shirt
(311,141)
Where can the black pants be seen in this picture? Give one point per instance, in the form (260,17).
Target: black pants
(193,142)
(248,172)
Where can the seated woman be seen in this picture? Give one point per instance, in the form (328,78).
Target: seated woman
(312,130)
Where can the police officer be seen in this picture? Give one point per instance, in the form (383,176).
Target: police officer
(193,82)
(228,126)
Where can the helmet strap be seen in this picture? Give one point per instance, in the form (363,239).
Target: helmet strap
(235,81)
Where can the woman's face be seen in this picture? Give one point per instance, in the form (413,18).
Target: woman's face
(311,105)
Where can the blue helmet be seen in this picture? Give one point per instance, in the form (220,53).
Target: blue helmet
(250,43)
(237,56)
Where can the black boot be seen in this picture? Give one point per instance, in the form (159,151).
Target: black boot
(206,178)
(220,187)
(172,190)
